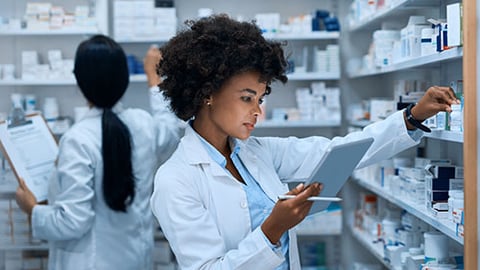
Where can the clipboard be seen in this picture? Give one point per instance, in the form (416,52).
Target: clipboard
(335,168)
(31,150)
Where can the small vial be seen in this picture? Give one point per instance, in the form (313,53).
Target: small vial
(456,118)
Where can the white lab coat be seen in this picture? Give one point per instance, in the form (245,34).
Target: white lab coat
(203,211)
(83,232)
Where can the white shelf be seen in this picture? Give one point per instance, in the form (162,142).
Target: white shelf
(444,135)
(144,40)
(51,32)
(20,82)
(375,248)
(375,20)
(321,35)
(423,61)
(7,192)
(303,36)
(444,225)
(12,247)
(296,124)
(306,76)
(138,78)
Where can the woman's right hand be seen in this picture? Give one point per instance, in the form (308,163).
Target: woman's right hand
(150,63)
(288,213)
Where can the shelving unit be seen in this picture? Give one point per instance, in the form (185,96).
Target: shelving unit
(438,143)
(445,226)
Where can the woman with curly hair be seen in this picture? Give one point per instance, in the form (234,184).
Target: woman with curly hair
(216,197)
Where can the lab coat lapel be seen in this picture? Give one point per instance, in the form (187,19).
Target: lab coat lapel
(266,179)
(196,153)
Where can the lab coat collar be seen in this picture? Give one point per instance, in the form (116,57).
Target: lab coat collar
(196,154)
(192,141)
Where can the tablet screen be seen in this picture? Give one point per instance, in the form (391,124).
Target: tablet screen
(335,167)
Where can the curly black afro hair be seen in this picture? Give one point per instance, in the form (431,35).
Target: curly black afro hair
(197,61)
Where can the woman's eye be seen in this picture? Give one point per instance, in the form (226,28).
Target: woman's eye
(247,99)
(260,101)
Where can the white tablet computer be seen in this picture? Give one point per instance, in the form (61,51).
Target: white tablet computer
(335,167)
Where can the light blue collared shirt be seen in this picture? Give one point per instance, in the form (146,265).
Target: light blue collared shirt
(259,204)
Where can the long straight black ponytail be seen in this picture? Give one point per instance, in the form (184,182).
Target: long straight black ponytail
(102,74)
(118,179)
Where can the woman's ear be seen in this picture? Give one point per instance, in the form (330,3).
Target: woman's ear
(208,102)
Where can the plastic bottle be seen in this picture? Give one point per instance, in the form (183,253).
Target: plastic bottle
(17,113)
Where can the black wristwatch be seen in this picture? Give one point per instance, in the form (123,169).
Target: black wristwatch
(413,121)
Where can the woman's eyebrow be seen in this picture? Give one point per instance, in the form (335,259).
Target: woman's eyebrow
(250,91)
(253,92)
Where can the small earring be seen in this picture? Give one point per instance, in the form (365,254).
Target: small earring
(208,104)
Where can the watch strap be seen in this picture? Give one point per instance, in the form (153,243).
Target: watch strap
(413,121)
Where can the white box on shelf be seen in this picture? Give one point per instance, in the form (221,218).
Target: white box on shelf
(454,22)
(122,9)
(143,9)
(381,109)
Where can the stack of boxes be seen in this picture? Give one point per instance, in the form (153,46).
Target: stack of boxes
(439,181)
(44,16)
(142,20)
(56,68)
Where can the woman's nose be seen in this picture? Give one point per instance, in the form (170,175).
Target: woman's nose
(257,110)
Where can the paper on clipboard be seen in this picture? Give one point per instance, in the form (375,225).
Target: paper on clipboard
(31,150)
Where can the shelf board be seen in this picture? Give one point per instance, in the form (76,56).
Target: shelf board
(20,82)
(51,32)
(313,233)
(14,247)
(445,226)
(136,78)
(422,61)
(376,249)
(444,135)
(320,35)
(375,20)
(144,40)
(296,124)
(303,36)
(7,190)
(306,76)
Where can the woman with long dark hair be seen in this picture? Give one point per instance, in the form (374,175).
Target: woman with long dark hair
(98,214)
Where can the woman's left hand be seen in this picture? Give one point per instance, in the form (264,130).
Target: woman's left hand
(436,99)
(25,198)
